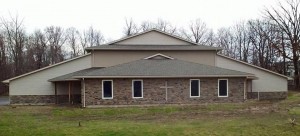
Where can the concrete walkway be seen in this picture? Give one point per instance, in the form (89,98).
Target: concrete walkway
(4,100)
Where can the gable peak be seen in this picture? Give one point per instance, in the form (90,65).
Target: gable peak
(158,56)
(152,37)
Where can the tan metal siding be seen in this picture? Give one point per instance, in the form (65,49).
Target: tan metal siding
(153,38)
(267,82)
(37,83)
(110,58)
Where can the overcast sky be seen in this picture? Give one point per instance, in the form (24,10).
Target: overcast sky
(109,15)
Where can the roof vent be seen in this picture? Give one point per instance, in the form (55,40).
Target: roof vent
(158,57)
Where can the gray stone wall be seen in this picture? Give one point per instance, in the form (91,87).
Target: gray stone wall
(267,95)
(32,99)
(43,99)
(153,94)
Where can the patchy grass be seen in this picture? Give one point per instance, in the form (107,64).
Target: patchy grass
(249,118)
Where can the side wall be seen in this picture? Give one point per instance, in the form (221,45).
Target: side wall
(110,58)
(153,94)
(267,82)
(37,83)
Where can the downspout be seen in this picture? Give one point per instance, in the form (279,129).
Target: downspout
(83,92)
(8,92)
(55,92)
(258,94)
(245,85)
(69,92)
(93,58)
(215,57)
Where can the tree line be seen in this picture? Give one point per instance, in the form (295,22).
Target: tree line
(271,42)
(22,52)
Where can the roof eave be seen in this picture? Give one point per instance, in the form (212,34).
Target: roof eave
(73,79)
(133,49)
(5,81)
(179,76)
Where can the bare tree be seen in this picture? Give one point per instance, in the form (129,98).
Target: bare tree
(72,40)
(130,28)
(55,38)
(287,17)
(2,53)
(94,37)
(83,37)
(165,26)
(4,74)
(263,36)
(91,37)
(225,39)
(210,38)
(146,25)
(242,41)
(15,36)
(38,44)
(196,31)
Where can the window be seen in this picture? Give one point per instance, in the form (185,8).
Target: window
(107,89)
(223,87)
(194,88)
(137,88)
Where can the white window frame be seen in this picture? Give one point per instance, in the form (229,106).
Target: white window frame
(191,88)
(219,87)
(132,88)
(112,89)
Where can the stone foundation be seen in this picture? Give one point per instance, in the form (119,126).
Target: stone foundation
(267,95)
(153,94)
(43,99)
(32,99)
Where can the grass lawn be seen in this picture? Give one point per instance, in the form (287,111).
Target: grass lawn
(248,118)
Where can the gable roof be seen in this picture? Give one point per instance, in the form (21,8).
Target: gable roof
(149,68)
(151,30)
(257,67)
(115,46)
(44,68)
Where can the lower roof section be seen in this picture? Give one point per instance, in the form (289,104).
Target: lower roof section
(69,77)
(151,68)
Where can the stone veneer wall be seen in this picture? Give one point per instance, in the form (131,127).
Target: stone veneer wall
(267,95)
(32,99)
(153,94)
(43,99)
